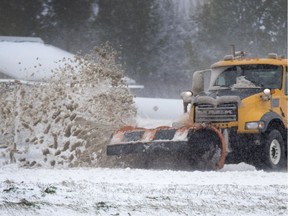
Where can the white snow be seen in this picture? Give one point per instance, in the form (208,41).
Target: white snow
(31,60)
(45,125)
(158,108)
(102,191)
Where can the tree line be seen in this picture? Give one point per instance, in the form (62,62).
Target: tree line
(161,41)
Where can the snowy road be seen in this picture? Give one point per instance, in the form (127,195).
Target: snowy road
(235,190)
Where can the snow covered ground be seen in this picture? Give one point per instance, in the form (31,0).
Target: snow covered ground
(234,190)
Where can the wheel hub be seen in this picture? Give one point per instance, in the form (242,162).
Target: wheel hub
(275,152)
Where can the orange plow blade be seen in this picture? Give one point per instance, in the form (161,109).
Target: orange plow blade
(202,143)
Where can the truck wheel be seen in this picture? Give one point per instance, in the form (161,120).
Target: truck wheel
(274,157)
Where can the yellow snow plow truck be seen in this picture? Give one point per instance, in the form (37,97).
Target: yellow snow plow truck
(241,116)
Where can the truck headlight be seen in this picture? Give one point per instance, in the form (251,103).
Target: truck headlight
(254,125)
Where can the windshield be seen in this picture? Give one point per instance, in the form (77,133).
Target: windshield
(247,76)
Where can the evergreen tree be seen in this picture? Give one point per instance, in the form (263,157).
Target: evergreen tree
(258,27)
(20,18)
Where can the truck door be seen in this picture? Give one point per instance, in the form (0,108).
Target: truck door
(285,101)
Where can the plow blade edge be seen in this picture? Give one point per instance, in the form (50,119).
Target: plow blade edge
(202,143)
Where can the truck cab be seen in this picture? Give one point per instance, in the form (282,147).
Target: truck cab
(247,100)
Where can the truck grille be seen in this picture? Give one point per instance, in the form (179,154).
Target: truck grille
(220,113)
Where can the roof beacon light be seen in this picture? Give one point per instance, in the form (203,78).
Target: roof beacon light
(236,55)
(239,54)
(272,55)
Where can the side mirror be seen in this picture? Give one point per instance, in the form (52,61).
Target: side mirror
(200,80)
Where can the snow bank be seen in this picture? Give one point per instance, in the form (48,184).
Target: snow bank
(68,120)
(31,60)
(158,108)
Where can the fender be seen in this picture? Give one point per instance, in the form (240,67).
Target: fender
(268,117)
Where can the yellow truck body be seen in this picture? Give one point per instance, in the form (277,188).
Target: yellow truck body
(255,113)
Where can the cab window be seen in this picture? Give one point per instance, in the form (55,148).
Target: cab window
(251,76)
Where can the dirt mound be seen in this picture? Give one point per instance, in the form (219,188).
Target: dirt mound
(67,120)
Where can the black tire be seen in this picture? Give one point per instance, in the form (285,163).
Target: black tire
(273,155)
